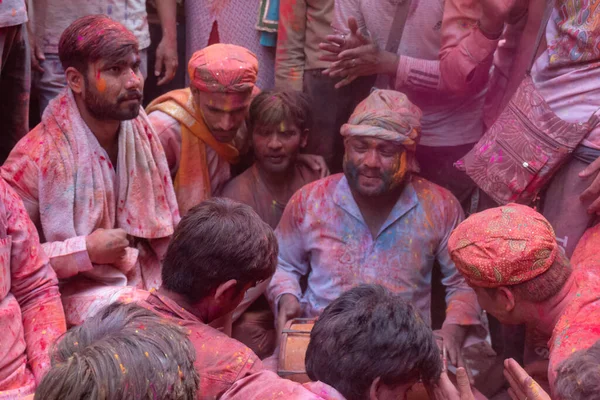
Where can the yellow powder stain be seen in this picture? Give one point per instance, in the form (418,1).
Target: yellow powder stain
(123,370)
(101,85)
(117,356)
(44,332)
(147,355)
(282,126)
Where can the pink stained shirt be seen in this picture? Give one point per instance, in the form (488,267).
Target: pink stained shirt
(578,328)
(322,235)
(31,314)
(441,52)
(220,360)
(267,385)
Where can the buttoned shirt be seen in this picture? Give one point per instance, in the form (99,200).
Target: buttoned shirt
(323,235)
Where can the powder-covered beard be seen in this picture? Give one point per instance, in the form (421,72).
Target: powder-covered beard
(390,180)
(105,111)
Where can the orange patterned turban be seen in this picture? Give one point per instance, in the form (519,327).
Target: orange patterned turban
(223,68)
(503,246)
(387,115)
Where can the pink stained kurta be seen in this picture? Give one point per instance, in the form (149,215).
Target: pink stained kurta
(579,325)
(70,189)
(31,314)
(267,385)
(322,235)
(220,360)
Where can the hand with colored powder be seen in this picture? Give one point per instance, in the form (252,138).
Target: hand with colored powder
(522,386)
(445,390)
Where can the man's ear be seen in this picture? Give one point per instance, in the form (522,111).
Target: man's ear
(375,388)
(507,298)
(304,138)
(226,291)
(75,80)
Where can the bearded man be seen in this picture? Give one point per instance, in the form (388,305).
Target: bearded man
(376,223)
(93,175)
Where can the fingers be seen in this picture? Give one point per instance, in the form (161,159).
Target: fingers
(158,64)
(338,40)
(514,374)
(171,69)
(346,81)
(590,169)
(353,25)
(463,381)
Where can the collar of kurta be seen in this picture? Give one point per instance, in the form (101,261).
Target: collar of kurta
(342,196)
(167,305)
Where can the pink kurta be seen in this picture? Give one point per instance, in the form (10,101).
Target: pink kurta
(220,360)
(31,315)
(267,385)
(70,189)
(579,325)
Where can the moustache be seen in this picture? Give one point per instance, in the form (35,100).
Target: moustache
(130,96)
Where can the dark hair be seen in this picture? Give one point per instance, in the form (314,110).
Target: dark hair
(578,377)
(218,240)
(545,285)
(366,333)
(271,108)
(92,38)
(123,352)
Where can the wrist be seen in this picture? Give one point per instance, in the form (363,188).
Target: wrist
(389,63)
(169,36)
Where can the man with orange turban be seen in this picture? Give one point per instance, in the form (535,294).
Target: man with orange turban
(376,223)
(510,257)
(197,126)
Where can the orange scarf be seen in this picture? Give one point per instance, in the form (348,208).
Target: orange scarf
(192,181)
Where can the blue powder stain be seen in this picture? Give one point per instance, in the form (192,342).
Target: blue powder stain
(109,10)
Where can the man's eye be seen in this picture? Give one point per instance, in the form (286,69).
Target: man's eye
(115,69)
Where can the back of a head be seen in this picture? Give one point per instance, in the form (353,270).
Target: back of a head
(578,377)
(218,240)
(510,246)
(272,108)
(123,352)
(93,38)
(366,333)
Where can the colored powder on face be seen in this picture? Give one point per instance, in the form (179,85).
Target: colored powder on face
(282,126)
(100,83)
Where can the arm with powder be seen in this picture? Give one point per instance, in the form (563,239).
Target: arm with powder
(290,57)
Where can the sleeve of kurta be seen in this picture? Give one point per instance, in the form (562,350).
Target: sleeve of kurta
(461,300)
(293,261)
(289,58)
(466,54)
(34,285)
(68,257)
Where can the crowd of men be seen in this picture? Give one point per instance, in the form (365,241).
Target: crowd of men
(161,252)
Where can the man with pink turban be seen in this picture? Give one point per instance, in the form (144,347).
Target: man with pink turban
(376,223)
(197,126)
(510,257)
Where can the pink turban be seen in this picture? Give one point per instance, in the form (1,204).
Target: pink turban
(223,68)
(387,115)
(503,246)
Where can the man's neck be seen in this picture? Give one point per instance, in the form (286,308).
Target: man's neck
(106,132)
(278,183)
(201,310)
(547,313)
(375,210)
